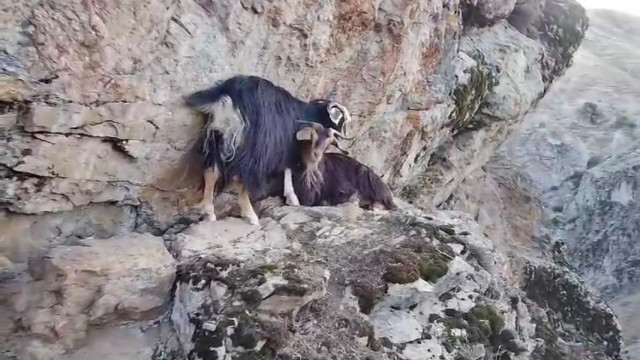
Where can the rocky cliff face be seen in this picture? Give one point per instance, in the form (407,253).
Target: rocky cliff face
(93,158)
(580,151)
(577,156)
(311,283)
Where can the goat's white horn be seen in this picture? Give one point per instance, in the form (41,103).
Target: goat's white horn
(343,110)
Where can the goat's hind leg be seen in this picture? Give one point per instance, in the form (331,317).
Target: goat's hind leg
(246,209)
(378,207)
(289,192)
(205,206)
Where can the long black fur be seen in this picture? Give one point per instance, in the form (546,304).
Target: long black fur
(342,178)
(270,114)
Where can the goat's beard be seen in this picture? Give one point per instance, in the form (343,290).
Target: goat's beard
(312,176)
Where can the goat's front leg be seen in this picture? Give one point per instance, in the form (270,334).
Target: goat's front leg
(289,193)
(211,176)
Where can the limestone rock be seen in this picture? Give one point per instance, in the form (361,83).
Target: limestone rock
(346,290)
(24,235)
(563,295)
(577,156)
(92,283)
(483,12)
(95,113)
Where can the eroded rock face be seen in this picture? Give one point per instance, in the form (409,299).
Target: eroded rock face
(93,111)
(578,153)
(353,284)
(322,282)
(90,283)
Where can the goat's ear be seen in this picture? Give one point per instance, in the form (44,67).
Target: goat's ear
(304,133)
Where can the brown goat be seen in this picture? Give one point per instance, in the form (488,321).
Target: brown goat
(321,178)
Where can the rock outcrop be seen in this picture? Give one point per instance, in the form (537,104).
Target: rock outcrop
(88,284)
(342,283)
(317,283)
(92,110)
(577,154)
(96,182)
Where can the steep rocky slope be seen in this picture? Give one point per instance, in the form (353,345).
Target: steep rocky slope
(98,243)
(578,153)
(311,283)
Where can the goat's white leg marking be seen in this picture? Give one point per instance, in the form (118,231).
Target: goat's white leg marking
(206,205)
(378,207)
(246,210)
(289,193)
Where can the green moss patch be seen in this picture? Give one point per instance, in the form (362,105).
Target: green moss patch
(411,260)
(291,289)
(269,267)
(482,324)
(401,273)
(432,270)
(468,97)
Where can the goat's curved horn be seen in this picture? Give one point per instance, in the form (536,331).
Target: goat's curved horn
(340,135)
(345,152)
(336,105)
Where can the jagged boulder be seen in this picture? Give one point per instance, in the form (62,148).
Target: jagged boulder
(344,283)
(88,284)
(316,282)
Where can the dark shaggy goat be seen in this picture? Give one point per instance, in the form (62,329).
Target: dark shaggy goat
(250,136)
(321,178)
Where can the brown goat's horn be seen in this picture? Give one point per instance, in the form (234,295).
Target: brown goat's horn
(341,136)
(343,151)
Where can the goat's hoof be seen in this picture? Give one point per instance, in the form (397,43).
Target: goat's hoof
(252,219)
(210,217)
(293,201)
(378,208)
(207,210)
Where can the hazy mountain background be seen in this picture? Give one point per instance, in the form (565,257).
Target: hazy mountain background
(580,150)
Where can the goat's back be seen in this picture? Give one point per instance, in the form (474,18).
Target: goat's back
(345,176)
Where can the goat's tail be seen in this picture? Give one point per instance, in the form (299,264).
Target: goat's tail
(202,100)
(223,118)
(371,187)
(224,129)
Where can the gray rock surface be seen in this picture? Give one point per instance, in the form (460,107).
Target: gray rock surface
(354,284)
(92,96)
(96,183)
(91,283)
(577,155)
(322,282)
